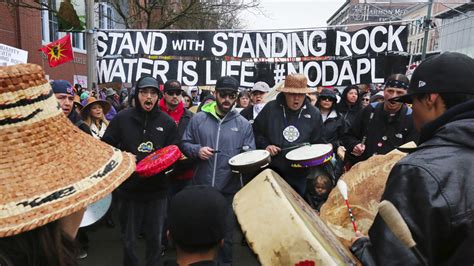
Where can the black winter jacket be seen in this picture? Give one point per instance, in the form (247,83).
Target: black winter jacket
(433,189)
(268,130)
(383,133)
(142,133)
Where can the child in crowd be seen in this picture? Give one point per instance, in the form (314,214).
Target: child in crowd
(317,190)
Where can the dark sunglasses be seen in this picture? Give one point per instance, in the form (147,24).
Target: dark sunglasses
(365,99)
(325,98)
(171,93)
(230,94)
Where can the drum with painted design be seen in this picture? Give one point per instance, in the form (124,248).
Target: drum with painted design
(310,155)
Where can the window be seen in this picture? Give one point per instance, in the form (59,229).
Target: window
(49,23)
(78,40)
(106,16)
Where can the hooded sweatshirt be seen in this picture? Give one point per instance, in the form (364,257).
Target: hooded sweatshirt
(141,133)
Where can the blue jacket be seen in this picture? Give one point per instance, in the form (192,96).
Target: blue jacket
(229,136)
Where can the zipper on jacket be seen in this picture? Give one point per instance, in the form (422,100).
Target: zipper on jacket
(217,148)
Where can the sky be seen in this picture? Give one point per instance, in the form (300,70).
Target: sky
(279,14)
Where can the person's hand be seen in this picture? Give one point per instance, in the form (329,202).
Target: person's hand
(206,153)
(358,235)
(358,149)
(273,150)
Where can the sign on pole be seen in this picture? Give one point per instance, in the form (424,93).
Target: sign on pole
(11,56)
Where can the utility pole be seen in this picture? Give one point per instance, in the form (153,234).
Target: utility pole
(426,27)
(90,44)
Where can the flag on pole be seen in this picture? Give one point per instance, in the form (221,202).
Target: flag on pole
(59,52)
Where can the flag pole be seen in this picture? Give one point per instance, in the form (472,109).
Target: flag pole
(91,57)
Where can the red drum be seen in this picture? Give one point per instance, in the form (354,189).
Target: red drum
(250,161)
(158,161)
(311,155)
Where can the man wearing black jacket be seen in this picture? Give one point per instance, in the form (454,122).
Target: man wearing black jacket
(142,130)
(380,127)
(433,186)
(288,121)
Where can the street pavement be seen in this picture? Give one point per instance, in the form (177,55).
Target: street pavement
(105,249)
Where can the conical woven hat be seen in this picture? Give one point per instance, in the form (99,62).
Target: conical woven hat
(296,83)
(48,167)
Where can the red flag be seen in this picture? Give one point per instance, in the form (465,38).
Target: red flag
(59,52)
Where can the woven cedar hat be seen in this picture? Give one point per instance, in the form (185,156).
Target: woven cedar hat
(296,83)
(90,101)
(40,177)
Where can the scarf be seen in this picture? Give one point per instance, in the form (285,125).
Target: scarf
(176,113)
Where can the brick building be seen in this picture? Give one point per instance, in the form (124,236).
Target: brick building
(29,29)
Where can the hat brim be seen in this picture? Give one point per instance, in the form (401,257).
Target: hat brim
(49,167)
(105,106)
(295,90)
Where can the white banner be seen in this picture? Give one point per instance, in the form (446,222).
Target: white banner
(12,56)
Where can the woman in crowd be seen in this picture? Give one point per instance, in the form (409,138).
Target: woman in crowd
(349,105)
(94,116)
(243,100)
(365,100)
(334,125)
(187,100)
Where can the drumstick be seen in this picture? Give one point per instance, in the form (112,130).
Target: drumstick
(295,146)
(399,228)
(342,186)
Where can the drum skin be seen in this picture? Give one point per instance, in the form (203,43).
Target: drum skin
(282,229)
(366,183)
(158,161)
(250,161)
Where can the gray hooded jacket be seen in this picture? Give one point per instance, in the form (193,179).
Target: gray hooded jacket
(229,136)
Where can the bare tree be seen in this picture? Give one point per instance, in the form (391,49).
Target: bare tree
(185,14)
(162,14)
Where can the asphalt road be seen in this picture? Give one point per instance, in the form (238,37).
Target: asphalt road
(105,249)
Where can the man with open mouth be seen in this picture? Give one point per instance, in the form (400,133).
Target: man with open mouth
(141,130)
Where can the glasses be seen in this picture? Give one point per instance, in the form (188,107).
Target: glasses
(172,93)
(230,94)
(365,99)
(151,92)
(325,98)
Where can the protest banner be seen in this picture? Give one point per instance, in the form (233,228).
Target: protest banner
(11,56)
(327,57)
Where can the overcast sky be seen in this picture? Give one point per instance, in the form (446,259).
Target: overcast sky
(281,14)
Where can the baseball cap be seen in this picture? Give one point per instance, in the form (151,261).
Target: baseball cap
(197,216)
(172,85)
(227,83)
(148,82)
(62,86)
(448,72)
(261,86)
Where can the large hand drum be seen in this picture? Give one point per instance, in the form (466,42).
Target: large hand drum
(158,161)
(250,161)
(310,155)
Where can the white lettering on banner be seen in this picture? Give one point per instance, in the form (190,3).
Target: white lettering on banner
(160,68)
(284,45)
(127,45)
(307,68)
(355,37)
(234,36)
(145,44)
(263,45)
(320,45)
(343,39)
(246,47)
(372,72)
(361,71)
(188,68)
(335,72)
(164,42)
(190,45)
(101,43)
(209,80)
(219,43)
(383,46)
(115,36)
(244,74)
(346,73)
(394,37)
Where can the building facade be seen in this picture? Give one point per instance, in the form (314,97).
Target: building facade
(30,28)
